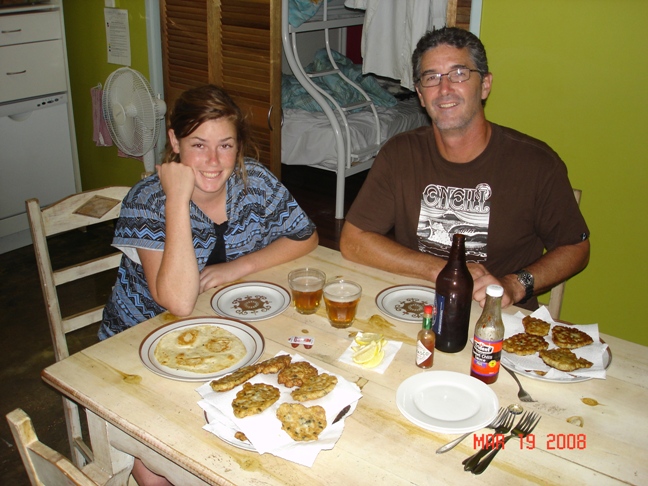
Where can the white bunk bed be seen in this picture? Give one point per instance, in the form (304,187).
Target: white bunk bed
(342,138)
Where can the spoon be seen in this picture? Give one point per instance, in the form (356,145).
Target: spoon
(515,408)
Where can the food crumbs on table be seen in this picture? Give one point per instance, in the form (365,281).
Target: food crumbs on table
(590,401)
(576,420)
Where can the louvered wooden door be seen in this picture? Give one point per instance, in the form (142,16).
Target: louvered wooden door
(186,48)
(247,38)
(235,44)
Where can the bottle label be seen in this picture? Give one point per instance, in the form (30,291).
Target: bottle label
(422,353)
(486,357)
(439,305)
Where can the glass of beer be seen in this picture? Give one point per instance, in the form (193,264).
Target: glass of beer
(341,297)
(306,286)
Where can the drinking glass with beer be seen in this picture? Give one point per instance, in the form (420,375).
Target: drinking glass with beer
(306,286)
(341,298)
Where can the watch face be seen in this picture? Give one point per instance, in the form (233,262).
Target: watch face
(525,278)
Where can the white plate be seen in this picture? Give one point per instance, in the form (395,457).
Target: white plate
(565,377)
(251,338)
(405,302)
(447,402)
(251,301)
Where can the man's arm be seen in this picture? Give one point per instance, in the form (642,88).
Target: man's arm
(381,252)
(552,268)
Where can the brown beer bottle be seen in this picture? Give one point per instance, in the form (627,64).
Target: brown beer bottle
(454,288)
(489,334)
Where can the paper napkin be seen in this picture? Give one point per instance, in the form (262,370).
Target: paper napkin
(390,349)
(264,430)
(595,352)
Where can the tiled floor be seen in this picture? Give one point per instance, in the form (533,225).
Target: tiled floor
(24,332)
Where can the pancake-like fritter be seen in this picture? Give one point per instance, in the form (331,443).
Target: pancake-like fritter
(295,374)
(563,359)
(302,423)
(254,399)
(274,365)
(570,337)
(535,326)
(524,344)
(315,387)
(234,379)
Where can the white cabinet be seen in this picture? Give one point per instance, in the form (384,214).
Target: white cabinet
(38,157)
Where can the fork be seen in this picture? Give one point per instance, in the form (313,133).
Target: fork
(472,461)
(497,421)
(524,427)
(522,393)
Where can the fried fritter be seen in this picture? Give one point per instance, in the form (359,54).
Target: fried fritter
(315,387)
(234,379)
(274,365)
(254,399)
(302,423)
(295,374)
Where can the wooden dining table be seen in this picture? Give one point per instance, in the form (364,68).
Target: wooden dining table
(135,412)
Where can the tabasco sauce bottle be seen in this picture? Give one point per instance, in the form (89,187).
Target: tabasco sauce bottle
(425,340)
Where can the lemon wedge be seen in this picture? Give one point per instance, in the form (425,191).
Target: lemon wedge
(364,338)
(375,361)
(366,353)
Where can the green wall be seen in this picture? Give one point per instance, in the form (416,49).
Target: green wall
(86,45)
(573,74)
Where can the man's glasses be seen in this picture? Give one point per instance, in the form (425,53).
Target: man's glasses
(428,80)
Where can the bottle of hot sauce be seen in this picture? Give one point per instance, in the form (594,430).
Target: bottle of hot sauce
(489,334)
(454,288)
(425,341)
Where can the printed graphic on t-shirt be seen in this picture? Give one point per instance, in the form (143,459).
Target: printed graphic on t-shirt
(449,210)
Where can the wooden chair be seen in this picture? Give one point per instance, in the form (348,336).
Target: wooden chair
(44,465)
(557,293)
(74,212)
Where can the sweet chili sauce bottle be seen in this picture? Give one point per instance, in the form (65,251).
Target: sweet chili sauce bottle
(425,340)
(454,288)
(489,334)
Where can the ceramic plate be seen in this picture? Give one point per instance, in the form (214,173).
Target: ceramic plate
(251,301)
(405,302)
(447,402)
(251,338)
(565,377)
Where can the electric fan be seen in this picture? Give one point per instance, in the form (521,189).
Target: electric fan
(133,113)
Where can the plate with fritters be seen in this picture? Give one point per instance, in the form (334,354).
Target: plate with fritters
(201,348)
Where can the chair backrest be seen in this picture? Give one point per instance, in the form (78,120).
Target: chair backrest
(77,211)
(44,465)
(557,293)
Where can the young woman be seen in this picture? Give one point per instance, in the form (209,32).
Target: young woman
(209,216)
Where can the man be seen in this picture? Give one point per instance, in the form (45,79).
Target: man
(507,192)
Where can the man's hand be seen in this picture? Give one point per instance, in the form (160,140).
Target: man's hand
(483,279)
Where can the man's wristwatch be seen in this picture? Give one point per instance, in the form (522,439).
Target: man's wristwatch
(526,279)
